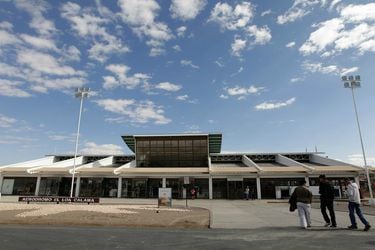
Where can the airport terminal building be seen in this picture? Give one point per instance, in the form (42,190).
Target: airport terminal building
(172,160)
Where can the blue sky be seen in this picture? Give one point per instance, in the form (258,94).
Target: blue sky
(265,73)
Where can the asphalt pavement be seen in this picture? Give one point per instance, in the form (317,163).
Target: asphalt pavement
(56,238)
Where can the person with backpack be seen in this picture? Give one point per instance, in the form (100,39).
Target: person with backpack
(327,196)
(302,196)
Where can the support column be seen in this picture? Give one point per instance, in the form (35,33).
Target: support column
(1,184)
(119,187)
(164,183)
(37,185)
(184,191)
(307,180)
(259,191)
(210,190)
(78,183)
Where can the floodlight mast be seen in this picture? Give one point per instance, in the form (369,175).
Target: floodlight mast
(353,82)
(79,93)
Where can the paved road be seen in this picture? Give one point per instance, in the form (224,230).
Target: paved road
(56,238)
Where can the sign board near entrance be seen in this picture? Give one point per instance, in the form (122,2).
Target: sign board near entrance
(58,199)
(165,197)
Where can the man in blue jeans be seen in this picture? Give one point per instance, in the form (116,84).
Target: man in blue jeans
(354,205)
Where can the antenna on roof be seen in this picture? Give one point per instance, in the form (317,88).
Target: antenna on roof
(316,149)
(306,149)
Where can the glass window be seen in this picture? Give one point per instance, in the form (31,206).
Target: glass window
(19,185)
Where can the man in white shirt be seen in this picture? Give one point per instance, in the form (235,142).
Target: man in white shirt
(354,204)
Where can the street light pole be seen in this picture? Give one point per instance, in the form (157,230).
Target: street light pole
(352,83)
(79,93)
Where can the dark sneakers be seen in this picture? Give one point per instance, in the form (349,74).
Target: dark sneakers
(333,226)
(367,227)
(352,227)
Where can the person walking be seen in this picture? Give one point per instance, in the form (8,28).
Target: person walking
(247,192)
(354,198)
(303,196)
(327,196)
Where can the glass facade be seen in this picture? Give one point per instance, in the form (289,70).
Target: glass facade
(202,188)
(177,187)
(98,187)
(180,151)
(268,186)
(49,186)
(153,186)
(219,187)
(134,188)
(19,185)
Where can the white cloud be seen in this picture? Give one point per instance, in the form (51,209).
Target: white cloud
(10,71)
(182,97)
(358,13)
(238,18)
(168,86)
(260,35)
(186,10)
(296,79)
(157,51)
(122,78)
(237,46)
(186,98)
(92,148)
(6,25)
(346,71)
(181,31)
(274,105)
(88,25)
(45,63)
(189,63)
(242,92)
(320,68)
(36,9)
(222,96)
(354,29)
(10,88)
(265,13)
(290,45)
(177,48)
(39,82)
(72,53)
(299,9)
(334,3)
(39,42)
(329,69)
(357,159)
(137,112)
(6,122)
(218,63)
(141,15)
(232,18)
(7,38)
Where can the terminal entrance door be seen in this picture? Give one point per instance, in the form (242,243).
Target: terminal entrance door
(65,186)
(235,190)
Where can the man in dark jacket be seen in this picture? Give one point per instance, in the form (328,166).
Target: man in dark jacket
(327,195)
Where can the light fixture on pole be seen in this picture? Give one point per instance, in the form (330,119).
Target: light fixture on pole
(80,93)
(353,82)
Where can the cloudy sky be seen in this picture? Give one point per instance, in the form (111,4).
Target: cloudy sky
(264,73)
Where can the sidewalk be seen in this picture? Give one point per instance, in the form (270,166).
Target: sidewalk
(242,214)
